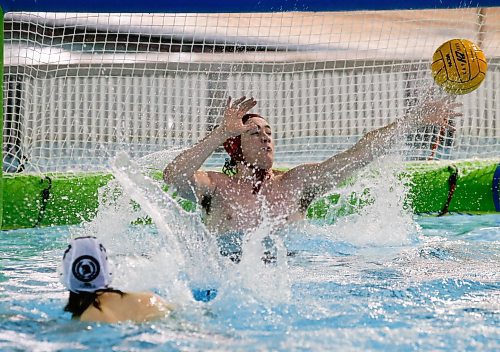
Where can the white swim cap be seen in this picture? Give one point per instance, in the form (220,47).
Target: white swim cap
(85,265)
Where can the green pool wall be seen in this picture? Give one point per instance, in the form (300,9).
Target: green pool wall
(474,187)
(73,198)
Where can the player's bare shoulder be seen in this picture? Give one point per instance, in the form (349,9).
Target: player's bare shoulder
(218,177)
(219,180)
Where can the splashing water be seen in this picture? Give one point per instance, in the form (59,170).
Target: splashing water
(341,288)
(188,255)
(184,250)
(263,269)
(384,220)
(158,160)
(182,255)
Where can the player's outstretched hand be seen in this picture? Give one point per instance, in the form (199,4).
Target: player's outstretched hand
(232,123)
(437,112)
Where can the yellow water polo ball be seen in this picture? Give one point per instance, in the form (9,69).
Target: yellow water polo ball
(459,66)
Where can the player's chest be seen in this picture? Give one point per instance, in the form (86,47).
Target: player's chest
(244,199)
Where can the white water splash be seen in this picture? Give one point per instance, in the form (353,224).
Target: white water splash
(263,269)
(181,256)
(186,238)
(158,160)
(384,220)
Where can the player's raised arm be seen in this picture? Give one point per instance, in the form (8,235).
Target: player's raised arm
(183,172)
(327,174)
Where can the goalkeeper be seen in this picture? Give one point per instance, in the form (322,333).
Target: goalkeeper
(235,199)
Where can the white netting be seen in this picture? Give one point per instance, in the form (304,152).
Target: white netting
(80,87)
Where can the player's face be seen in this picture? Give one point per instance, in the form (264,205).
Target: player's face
(257,144)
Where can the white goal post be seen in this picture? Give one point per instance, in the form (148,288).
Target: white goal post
(83,84)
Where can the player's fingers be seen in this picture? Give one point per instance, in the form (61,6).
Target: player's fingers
(248,104)
(238,101)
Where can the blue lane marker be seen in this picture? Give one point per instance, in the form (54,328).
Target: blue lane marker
(495,188)
(204,295)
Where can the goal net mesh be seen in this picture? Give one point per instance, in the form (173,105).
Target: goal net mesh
(79,87)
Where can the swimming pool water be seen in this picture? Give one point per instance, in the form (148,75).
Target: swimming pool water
(440,292)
